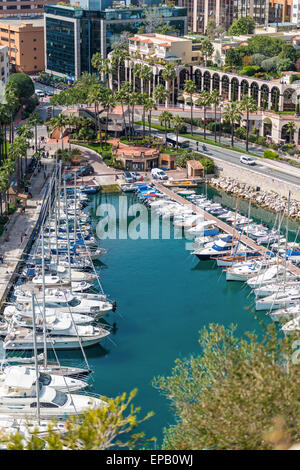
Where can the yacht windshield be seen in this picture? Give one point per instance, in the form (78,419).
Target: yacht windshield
(60,398)
(74,302)
(45,379)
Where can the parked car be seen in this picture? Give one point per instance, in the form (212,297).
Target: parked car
(247,160)
(68,177)
(159,174)
(85,171)
(137,176)
(128,177)
(40,93)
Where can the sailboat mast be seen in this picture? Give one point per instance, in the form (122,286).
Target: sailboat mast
(75,209)
(35,360)
(68,237)
(287,234)
(44,303)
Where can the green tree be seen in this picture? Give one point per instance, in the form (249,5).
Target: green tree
(169,75)
(59,122)
(23,85)
(149,106)
(95,95)
(204,101)
(190,88)
(177,123)
(232,114)
(207,49)
(33,121)
(108,102)
(160,94)
(248,105)
(291,127)
(165,118)
(118,59)
(215,101)
(244,25)
(228,396)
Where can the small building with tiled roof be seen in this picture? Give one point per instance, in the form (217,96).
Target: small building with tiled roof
(194,169)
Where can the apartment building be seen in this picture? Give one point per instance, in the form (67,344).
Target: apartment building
(201,11)
(25,42)
(23,8)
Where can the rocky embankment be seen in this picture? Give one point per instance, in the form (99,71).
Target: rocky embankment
(268,199)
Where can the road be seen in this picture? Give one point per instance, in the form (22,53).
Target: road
(232,156)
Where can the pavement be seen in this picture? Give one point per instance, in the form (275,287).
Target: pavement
(17,232)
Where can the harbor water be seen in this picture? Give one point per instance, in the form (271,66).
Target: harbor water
(164,297)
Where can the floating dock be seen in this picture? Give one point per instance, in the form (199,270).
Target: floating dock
(221,225)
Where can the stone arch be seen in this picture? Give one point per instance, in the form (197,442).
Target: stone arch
(216,81)
(244,88)
(225,87)
(206,81)
(264,96)
(183,76)
(234,89)
(254,91)
(198,79)
(288,100)
(267,127)
(275,94)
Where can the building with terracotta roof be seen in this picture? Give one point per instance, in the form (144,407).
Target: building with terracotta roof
(173,49)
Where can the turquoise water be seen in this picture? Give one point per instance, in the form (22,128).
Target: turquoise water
(164,296)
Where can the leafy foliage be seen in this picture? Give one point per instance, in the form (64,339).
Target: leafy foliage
(228,396)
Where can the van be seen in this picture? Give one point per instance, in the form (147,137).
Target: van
(247,160)
(158,174)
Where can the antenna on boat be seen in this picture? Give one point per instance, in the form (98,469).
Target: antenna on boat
(68,237)
(35,360)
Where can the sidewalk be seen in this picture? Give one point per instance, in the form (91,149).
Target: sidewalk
(20,227)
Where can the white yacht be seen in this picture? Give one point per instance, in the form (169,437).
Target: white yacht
(289,298)
(18,398)
(216,249)
(64,338)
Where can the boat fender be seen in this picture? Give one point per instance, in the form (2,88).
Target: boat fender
(114,306)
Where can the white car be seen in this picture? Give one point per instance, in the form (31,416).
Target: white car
(247,160)
(39,93)
(158,174)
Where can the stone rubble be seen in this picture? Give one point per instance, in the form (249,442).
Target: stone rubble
(268,199)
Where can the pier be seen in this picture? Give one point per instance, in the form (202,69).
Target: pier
(221,225)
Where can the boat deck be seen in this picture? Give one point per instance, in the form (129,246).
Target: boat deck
(220,224)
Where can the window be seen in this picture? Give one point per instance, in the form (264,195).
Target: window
(25,7)
(34,48)
(4,30)
(34,40)
(34,57)
(4,39)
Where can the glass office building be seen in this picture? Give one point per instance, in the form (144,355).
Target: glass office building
(73,35)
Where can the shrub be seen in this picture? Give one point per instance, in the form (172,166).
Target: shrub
(257,59)
(240,133)
(250,70)
(252,138)
(271,155)
(11,209)
(211,126)
(260,140)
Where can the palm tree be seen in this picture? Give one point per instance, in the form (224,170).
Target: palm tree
(95,96)
(165,118)
(137,68)
(149,106)
(291,127)
(168,75)
(4,122)
(33,121)
(102,66)
(249,105)
(108,102)
(232,114)
(177,122)
(133,101)
(190,88)
(204,101)
(27,134)
(142,101)
(160,94)
(59,122)
(215,100)
(146,76)
(123,97)
(118,58)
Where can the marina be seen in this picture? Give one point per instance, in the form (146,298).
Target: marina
(111,349)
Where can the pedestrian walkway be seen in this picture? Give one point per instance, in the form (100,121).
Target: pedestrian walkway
(17,233)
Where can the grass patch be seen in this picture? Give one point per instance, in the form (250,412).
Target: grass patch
(110,188)
(217,144)
(95,146)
